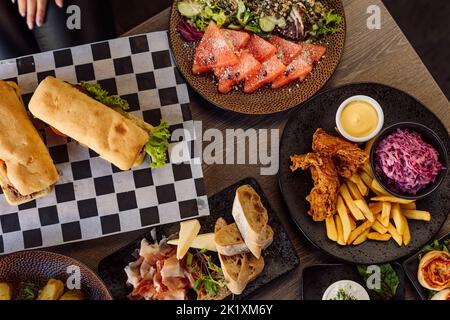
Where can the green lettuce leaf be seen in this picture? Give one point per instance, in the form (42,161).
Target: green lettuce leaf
(158,144)
(389,280)
(98,93)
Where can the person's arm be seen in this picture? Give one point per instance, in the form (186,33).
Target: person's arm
(34,11)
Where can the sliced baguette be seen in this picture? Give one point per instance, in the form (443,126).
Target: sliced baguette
(230,242)
(240,269)
(251,218)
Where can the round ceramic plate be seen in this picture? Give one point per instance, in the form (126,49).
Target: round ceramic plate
(40,266)
(319,112)
(265,100)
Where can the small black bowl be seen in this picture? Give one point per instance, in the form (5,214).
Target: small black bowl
(428,136)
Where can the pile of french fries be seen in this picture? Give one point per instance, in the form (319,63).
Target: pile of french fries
(381,219)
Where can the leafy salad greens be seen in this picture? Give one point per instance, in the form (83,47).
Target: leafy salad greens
(389,280)
(307,20)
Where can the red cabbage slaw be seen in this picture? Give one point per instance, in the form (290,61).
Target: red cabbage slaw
(407,163)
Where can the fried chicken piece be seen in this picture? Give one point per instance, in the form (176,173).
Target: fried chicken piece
(347,156)
(323,196)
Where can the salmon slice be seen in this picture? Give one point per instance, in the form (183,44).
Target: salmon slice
(287,51)
(260,48)
(315,52)
(238,39)
(298,69)
(268,72)
(213,51)
(230,76)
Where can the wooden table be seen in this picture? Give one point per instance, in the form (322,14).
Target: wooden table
(383,56)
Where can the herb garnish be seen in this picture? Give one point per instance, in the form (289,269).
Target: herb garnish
(96,91)
(389,280)
(27,291)
(444,246)
(343,295)
(208,276)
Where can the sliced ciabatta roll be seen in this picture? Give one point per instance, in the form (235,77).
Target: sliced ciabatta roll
(251,218)
(230,242)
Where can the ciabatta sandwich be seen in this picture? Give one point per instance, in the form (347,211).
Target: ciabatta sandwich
(27,171)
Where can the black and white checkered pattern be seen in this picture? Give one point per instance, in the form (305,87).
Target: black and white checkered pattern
(93,198)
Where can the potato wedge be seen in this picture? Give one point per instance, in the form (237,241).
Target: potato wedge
(406,233)
(397,216)
(73,295)
(356,179)
(354,191)
(5,291)
(385,213)
(362,205)
(361,238)
(53,290)
(331,229)
(339,229)
(345,218)
(417,214)
(377,187)
(359,230)
(345,193)
(368,146)
(393,232)
(378,236)
(391,199)
(409,206)
(378,227)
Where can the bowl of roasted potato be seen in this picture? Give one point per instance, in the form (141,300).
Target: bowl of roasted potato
(41,275)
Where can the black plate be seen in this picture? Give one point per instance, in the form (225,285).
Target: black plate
(316,279)
(319,112)
(411,265)
(279,258)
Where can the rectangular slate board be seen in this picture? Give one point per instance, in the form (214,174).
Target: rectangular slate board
(279,258)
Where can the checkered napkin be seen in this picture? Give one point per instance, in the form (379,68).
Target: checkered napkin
(93,198)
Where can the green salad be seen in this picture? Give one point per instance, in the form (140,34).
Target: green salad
(306,20)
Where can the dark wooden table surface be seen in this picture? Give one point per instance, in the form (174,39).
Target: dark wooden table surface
(383,56)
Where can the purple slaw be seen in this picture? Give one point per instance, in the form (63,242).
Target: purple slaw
(407,163)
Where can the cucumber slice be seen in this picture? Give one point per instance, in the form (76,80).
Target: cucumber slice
(267,23)
(189,8)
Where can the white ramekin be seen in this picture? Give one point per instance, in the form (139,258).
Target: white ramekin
(373,103)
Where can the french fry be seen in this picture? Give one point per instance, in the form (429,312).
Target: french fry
(345,218)
(361,238)
(385,213)
(368,182)
(375,207)
(331,229)
(339,229)
(397,216)
(376,186)
(359,230)
(409,206)
(378,227)
(392,199)
(352,222)
(378,236)
(369,145)
(357,214)
(417,214)
(406,233)
(354,191)
(356,179)
(395,235)
(366,168)
(362,205)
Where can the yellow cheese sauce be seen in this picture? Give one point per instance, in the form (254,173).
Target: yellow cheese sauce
(359,119)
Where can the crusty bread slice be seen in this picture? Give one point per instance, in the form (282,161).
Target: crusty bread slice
(240,269)
(16,199)
(251,218)
(230,242)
